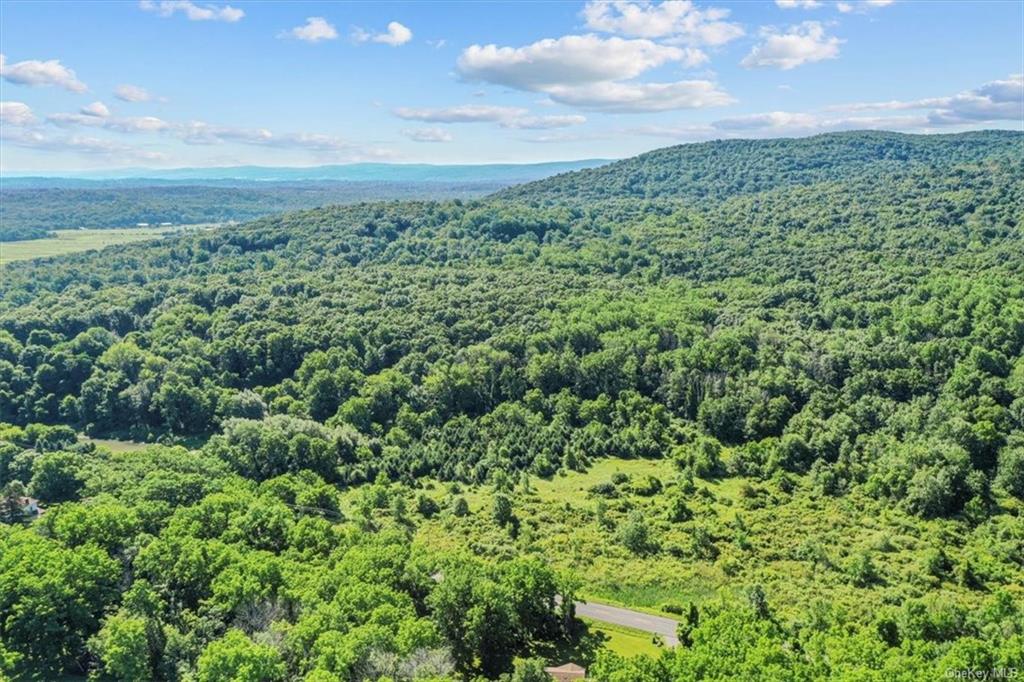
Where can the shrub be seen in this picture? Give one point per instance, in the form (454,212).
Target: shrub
(635,534)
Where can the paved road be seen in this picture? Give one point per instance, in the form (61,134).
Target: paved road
(656,625)
(616,615)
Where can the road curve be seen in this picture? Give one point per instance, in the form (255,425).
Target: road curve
(616,615)
(656,625)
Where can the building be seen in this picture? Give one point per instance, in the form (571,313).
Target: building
(567,672)
(29,506)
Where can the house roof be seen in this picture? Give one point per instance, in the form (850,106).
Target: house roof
(567,668)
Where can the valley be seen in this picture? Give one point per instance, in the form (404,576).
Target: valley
(764,398)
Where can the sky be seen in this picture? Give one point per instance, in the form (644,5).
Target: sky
(172,83)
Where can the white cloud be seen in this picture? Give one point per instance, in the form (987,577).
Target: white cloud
(506,117)
(192,11)
(798,4)
(90,146)
(998,100)
(643,97)
(569,60)
(428,135)
(563,138)
(35,73)
(993,103)
(469,113)
(92,117)
(16,114)
(772,119)
(396,35)
(202,133)
(592,72)
(544,122)
(313,31)
(132,93)
(96,109)
(675,19)
(862,6)
(801,44)
(437,44)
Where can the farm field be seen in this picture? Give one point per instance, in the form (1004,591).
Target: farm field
(74,241)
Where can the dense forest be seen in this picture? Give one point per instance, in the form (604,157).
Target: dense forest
(802,359)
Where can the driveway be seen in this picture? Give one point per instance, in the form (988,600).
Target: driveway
(656,625)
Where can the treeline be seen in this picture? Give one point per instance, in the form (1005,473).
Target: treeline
(727,168)
(35,213)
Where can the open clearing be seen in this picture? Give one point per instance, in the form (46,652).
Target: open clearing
(72,241)
(116,445)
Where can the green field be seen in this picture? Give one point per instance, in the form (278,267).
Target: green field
(116,445)
(72,241)
(623,640)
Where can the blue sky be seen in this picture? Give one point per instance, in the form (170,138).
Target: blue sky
(176,83)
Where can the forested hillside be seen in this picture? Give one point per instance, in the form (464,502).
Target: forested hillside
(802,359)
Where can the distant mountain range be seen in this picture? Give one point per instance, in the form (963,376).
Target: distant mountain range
(499,173)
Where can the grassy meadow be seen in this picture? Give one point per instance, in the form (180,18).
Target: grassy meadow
(72,241)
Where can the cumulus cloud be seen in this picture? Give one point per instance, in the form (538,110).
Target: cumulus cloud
(396,35)
(428,135)
(801,44)
(569,60)
(192,11)
(81,144)
(203,133)
(16,114)
(36,73)
(676,20)
(544,122)
(468,113)
(991,104)
(998,100)
(95,109)
(313,31)
(861,6)
(592,72)
(92,117)
(506,117)
(132,93)
(798,4)
(643,97)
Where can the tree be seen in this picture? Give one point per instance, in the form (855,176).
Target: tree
(49,588)
(460,507)
(678,511)
(10,502)
(122,647)
(57,477)
(426,506)
(1010,475)
(236,658)
(502,510)
(635,534)
(529,670)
